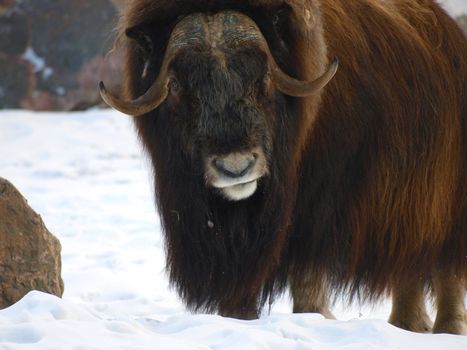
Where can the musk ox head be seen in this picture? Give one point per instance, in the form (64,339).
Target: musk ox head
(218,81)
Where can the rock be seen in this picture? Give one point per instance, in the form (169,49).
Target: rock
(17,80)
(6,5)
(66,34)
(14,25)
(44,101)
(85,93)
(105,68)
(64,42)
(16,75)
(29,253)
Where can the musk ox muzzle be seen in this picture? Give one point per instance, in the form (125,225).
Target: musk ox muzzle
(236,175)
(229,30)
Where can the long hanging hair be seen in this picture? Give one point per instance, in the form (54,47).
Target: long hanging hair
(367,182)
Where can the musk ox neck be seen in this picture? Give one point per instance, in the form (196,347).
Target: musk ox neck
(218,251)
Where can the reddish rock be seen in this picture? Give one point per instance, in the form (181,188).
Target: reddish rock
(67,34)
(6,5)
(29,253)
(100,68)
(84,93)
(66,41)
(43,101)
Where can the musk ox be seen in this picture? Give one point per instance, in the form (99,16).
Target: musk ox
(273,171)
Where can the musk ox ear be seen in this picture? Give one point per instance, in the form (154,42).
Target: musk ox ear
(281,18)
(287,22)
(142,38)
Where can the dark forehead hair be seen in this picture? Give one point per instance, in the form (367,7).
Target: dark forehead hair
(217,78)
(220,94)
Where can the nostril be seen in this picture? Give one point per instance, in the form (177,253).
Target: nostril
(234,166)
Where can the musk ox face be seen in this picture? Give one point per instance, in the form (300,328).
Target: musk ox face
(221,106)
(218,82)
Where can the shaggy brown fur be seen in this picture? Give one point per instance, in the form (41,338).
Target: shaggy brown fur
(369,192)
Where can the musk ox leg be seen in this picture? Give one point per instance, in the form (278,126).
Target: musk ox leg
(450,293)
(310,294)
(408,307)
(246,310)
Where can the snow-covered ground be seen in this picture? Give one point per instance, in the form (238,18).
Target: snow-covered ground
(84,173)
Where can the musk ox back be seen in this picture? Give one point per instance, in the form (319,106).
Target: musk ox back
(274,171)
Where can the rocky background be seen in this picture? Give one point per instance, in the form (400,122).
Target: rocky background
(53,53)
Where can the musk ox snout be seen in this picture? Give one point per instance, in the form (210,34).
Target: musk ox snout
(235,165)
(236,175)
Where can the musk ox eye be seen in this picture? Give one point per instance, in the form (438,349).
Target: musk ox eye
(174,85)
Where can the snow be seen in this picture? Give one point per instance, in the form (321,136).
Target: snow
(84,173)
(455,7)
(38,63)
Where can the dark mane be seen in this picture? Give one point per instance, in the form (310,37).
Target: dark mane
(248,235)
(366,191)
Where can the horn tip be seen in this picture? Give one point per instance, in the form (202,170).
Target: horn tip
(335,61)
(102,86)
(334,66)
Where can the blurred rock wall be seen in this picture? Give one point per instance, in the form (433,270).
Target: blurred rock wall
(53,52)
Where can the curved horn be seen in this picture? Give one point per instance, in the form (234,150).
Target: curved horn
(242,29)
(159,90)
(297,88)
(238,30)
(155,95)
